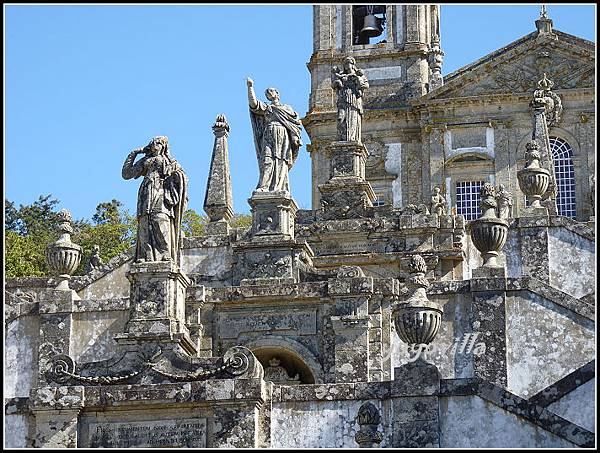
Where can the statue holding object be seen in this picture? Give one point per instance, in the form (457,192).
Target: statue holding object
(162,199)
(438,203)
(350,83)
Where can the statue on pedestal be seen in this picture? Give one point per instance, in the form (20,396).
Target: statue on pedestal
(350,83)
(438,202)
(276,129)
(162,199)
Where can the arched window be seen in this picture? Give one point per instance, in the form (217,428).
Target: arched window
(562,154)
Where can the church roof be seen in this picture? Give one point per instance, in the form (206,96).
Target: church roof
(515,68)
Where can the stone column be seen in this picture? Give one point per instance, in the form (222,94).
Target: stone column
(433,136)
(415,405)
(488,321)
(533,240)
(56,318)
(56,411)
(351,292)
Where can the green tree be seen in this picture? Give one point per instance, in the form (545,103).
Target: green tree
(28,230)
(193,224)
(241,221)
(110,213)
(112,229)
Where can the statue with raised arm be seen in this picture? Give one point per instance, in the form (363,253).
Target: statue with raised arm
(350,83)
(276,129)
(162,199)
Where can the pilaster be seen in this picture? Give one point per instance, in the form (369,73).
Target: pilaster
(488,323)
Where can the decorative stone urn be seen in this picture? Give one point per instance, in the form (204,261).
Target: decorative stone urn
(63,256)
(489,233)
(417,319)
(368,419)
(533,179)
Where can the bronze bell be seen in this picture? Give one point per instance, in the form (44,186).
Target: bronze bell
(371,26)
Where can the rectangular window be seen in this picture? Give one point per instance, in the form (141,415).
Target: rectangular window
(468,199)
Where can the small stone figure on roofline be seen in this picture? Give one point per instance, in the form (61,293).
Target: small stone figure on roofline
(162,199)
(276,129)
(350,83)
(504,200)
(438,202)
(488,204)
(95,260)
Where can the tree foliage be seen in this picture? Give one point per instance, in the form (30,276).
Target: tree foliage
(30,228)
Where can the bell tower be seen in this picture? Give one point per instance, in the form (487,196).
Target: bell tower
(397,47)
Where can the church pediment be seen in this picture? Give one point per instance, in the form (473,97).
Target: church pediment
(568,61)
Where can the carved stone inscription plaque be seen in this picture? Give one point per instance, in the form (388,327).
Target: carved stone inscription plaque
(189,432)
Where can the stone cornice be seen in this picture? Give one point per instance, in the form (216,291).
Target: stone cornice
(525,283)
(564,386)
(498,396)
(331,57)
(423,104)
(518,406)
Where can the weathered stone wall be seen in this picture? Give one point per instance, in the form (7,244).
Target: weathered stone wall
(578,406)
(317,424)
(21,356)
(572,262)
(545,342)
(470,421)
(92,338)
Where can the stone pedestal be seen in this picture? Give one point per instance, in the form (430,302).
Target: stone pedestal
(56,309)
(415,405)
(489,327)
(347,194)
(157,305)
(532,211)
(271,255)
(273,215)
(351,291)
(270,262)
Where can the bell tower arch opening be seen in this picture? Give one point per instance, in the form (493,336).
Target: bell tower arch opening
(368,24)
(399,50)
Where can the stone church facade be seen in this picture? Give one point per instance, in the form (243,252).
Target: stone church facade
(390,314)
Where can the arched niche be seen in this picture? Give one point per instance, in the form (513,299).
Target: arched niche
(293,357)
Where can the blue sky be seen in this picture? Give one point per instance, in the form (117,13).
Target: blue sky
(86,84)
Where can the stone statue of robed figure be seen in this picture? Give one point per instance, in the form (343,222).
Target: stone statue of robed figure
(276,129)
(162,199)
(350,83)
